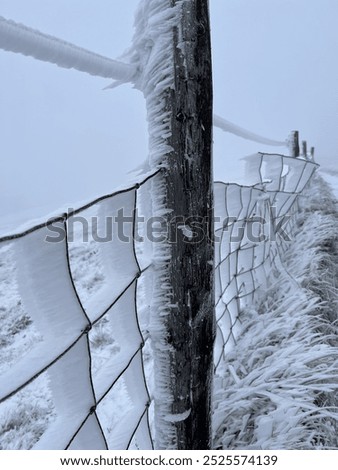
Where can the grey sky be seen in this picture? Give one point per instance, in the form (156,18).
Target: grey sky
(63,139)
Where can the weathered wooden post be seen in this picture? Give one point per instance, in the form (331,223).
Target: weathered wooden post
(190,194)
(312,153)
(178,90)
(304,149)
(294,144)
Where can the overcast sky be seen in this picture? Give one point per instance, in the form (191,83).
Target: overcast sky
(64,139)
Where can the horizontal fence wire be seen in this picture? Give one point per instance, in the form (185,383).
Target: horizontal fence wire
(253,228)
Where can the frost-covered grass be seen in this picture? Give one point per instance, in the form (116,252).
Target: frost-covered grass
(280,389)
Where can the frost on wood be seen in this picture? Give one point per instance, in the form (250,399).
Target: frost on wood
(16,37)
(176,82)
(153,51)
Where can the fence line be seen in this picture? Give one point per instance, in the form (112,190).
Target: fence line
(245,260)
(81,387)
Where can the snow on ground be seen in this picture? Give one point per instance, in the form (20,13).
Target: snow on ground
(331,177)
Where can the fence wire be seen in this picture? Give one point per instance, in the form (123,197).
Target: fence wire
(253,227)
(48,291)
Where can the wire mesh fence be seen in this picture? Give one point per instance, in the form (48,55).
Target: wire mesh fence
(65,322)
(82,371)
(253,227)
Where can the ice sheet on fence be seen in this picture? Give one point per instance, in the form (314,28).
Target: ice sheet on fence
(123,318)
(136,384)
(246,286)
(283,202)
(220,208)
(49,298)
(253,165)
(261,274)
(124,431)
(252,198)
(45,285)
(223,246)
(144,213)
(115,231)
(218,284)
(219,344)
(224,277)
(230,290)
(144,294)
(234,203)
(236,233)
(245,200)
(272,170)
(142,439)
(73,396)
(225,324)
(294,177)
(309,169)
(245,259)
(89,437)
(226,339)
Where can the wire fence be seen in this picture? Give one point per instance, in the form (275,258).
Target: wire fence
(253,227)
(47,289)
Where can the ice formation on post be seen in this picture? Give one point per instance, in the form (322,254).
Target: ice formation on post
(172,49)
(152,50)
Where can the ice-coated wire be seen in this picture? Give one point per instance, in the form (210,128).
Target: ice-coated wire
(272,191)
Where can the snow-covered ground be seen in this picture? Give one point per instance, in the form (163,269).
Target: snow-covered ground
(331,177)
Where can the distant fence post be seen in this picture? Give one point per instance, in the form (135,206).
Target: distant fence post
(312,152)
(304,149)
(294,144)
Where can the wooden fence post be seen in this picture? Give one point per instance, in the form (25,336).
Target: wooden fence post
(312,152)
(183,305)
(294,144)
(189,182)
(304,149)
